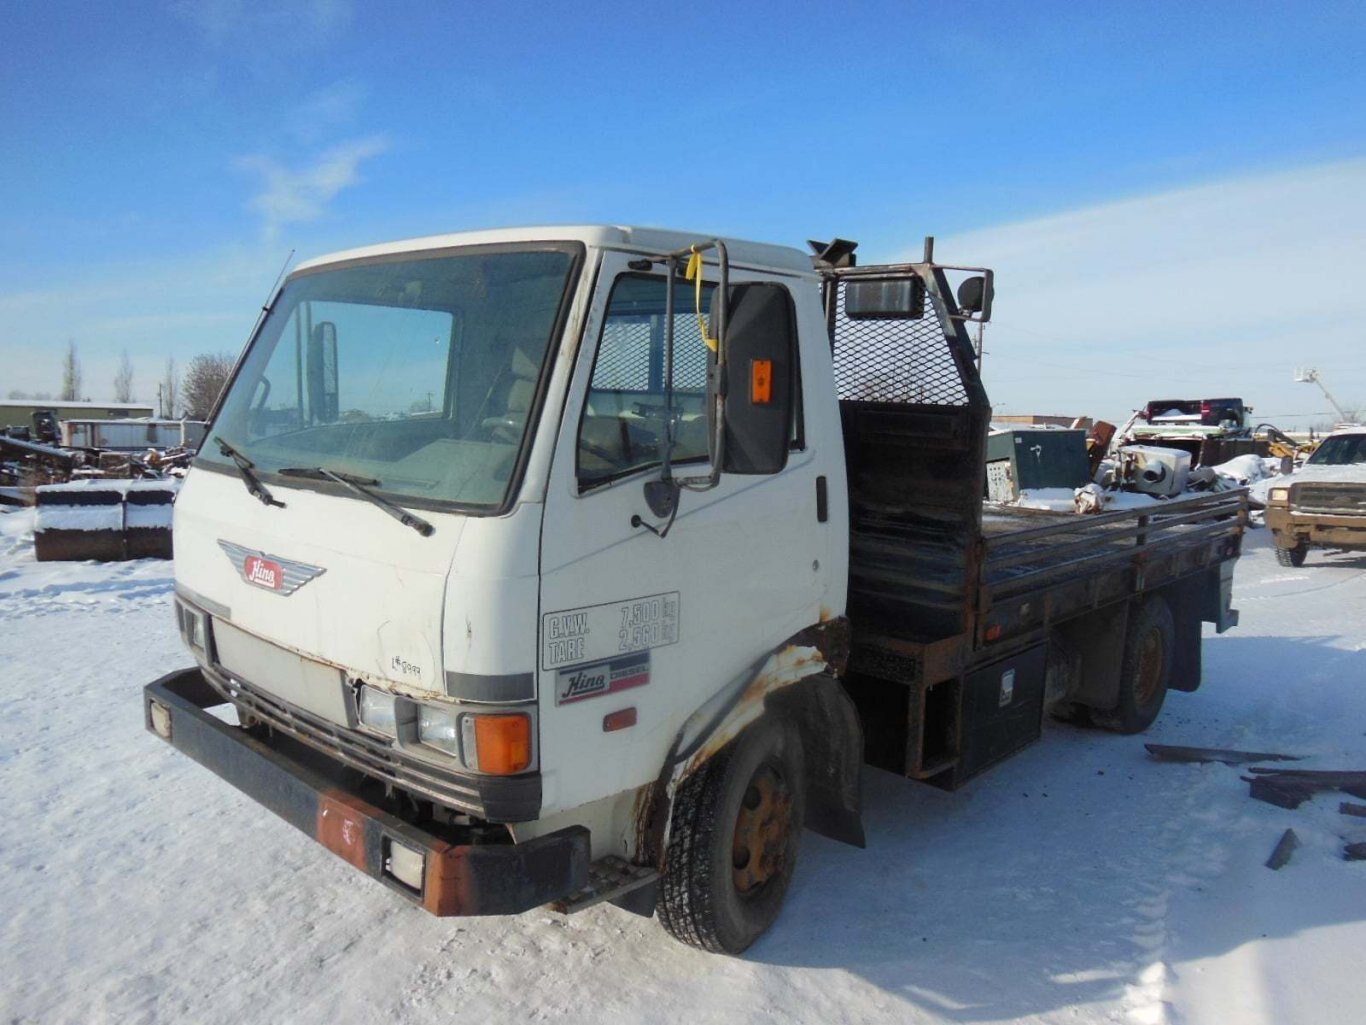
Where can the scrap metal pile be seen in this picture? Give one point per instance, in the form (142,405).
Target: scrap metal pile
(1168,449)
(92,503)
(34,456)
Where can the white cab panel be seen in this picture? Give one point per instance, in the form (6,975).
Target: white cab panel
(374,610)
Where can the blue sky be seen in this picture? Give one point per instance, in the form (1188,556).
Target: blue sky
(161,159)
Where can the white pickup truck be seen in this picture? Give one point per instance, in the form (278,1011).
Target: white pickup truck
(1323,504)
(581,564)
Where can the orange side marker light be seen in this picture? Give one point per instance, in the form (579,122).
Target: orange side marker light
(761,381)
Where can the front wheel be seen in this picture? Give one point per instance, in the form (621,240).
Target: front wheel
(1292,556)
(733,841)
(1145,669)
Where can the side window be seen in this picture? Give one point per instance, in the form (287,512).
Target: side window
(625,417)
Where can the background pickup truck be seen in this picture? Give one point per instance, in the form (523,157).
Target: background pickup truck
(1323,505)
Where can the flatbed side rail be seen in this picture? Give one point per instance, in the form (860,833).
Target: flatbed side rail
(1019,567)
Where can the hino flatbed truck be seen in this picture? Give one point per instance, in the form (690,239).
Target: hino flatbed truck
(558,566)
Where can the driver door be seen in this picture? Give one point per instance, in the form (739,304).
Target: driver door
(636,630)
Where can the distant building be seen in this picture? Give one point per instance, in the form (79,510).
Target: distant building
(131,435)
(19,412)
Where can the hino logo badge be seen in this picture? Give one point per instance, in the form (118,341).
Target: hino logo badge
(263,572)
(283,576)
(575,683)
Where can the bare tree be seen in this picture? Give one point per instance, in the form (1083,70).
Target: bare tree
(123,380)
(204,379)
(71,374)
(168,390)
(36,396)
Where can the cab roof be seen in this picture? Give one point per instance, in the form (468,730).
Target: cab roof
(759,255)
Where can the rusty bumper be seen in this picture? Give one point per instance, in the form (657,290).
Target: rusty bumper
(456,878)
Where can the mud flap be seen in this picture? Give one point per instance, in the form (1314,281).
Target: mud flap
(832,741)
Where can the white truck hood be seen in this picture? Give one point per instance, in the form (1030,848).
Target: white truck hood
(1352,473)
(335,579)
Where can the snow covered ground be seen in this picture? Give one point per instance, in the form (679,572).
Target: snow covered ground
(1080,882)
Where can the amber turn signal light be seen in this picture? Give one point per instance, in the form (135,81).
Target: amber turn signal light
(503,742)
(761,381)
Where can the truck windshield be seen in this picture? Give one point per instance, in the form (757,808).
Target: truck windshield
(418,374)
(1342,450)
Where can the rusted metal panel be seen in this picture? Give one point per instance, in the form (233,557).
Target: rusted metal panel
(1044,575)
(915,418)
(910,662)
(341,826)
(1285,847)
(1289,788)
(1225,756)
(785,667)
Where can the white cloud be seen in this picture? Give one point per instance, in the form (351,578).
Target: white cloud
(326,110)
(230,21)
(1223,288)
(295,195)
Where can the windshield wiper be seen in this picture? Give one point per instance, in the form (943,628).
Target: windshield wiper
(362,486)
(245,467)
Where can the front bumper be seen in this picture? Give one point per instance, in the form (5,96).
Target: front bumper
(456,879)
(1289,527)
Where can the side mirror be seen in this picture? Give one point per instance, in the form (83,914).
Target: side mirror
(322,372)
(975,295)
(761,380)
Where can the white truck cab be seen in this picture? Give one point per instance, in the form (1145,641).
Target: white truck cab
(418,537)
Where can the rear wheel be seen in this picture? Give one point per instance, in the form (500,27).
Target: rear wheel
(1145,669)
(1292,556)
(733,841)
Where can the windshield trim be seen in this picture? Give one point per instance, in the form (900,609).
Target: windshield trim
(577,252)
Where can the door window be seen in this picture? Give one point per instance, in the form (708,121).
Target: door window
(626,416)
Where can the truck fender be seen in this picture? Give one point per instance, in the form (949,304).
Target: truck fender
(796,680)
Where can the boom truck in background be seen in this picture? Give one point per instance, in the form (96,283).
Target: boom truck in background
(555,566)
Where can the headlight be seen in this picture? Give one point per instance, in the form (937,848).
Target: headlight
(437,727)
(1280,494)
(377,711)
(498,743)
(194,628)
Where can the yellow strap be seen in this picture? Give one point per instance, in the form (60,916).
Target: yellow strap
(694,273)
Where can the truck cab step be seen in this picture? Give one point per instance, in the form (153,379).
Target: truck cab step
(610,879)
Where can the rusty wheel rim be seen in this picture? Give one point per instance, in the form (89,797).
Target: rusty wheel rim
(1150,658)
(763,829)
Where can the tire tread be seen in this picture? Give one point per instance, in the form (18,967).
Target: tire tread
(685,906)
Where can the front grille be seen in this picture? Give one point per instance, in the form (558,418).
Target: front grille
(371,756)
(1331,499)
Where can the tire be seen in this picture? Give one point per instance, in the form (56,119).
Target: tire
(717,892)
(1292,556)
(1145,669)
